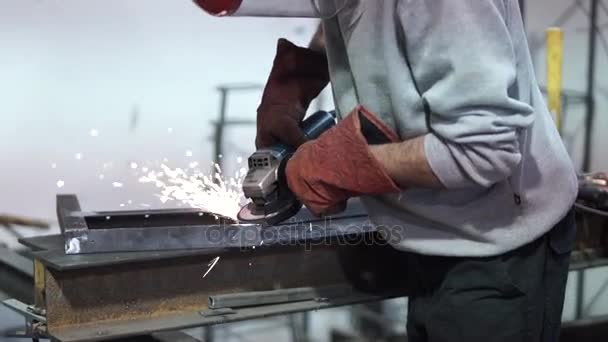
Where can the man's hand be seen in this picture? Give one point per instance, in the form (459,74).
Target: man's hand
(326,172)
(298,75)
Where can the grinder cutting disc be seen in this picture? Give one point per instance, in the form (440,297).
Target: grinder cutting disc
(251,213)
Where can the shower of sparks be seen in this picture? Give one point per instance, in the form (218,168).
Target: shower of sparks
(193,165)
(60,183)
(211,265)
(133,165)
(214,193)
(117,184)
(93,132)
(239,160)
(144,169)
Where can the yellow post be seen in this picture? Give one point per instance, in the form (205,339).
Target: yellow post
(555,49)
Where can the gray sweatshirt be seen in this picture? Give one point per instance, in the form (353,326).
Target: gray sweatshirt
(459,73)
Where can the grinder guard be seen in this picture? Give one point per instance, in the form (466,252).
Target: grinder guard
(265,184)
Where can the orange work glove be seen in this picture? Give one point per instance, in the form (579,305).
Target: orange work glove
(325,172)
(298,76)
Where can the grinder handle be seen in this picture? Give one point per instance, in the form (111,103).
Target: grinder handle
(313,126)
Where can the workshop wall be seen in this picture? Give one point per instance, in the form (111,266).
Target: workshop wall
(90,87)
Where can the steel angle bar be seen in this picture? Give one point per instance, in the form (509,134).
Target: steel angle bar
(210,236)
(186,229)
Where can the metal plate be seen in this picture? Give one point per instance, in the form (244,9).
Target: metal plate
(166,230)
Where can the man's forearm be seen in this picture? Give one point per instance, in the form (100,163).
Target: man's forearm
(406,163)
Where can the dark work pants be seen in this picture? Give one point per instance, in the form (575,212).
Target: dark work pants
(517,296)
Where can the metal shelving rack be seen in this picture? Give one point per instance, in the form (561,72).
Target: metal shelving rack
(592,13)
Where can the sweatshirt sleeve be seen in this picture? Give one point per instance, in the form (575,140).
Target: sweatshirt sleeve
(463,62)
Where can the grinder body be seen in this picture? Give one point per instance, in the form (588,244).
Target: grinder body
(271,201)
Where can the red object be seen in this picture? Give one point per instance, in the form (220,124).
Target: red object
(219,7)
(325,172)
(298,75)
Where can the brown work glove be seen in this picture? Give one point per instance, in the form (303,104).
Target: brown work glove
(325,172)
(298,76)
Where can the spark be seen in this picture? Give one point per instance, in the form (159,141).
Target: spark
(169,130)
(188,153)
(117,184)
(122,204)
(193,165)
(146,205)
(101,176)
(108,218)
(54,166)
(261,242)
(211,265)
(129,202)
(239,160)
(78,156)
(213,192)
(60,183)
(133,165)
(144,169)
(93,132)
(147,216)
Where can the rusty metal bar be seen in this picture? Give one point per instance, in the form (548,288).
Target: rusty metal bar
(110,295)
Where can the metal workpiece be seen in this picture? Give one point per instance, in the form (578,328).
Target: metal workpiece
(188,229)
(158,277)
(109,295)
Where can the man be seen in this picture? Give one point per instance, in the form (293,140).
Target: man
(446,137)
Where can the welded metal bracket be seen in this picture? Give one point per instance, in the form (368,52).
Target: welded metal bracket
(35,318)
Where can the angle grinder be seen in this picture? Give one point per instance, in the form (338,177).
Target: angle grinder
(265,185)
